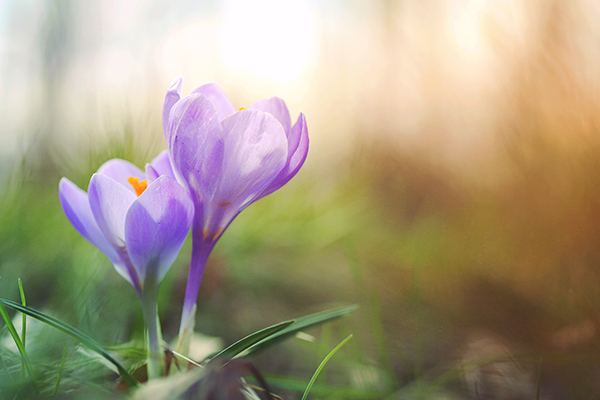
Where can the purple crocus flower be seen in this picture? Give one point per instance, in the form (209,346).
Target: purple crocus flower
(227,159)
(140,221)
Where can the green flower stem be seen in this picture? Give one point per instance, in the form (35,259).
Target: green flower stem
(154,352)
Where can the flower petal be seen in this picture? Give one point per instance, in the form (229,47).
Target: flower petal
(76,206)
(218,98)
(109,201)
(277,108)
(151,173)
(196,145)
(173,95)
(297,152)
(156,226)
(161,165)
(256,149)
(120,170)
(298,138)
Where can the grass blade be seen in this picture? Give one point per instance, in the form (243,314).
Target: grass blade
(60,369)
(324,391)
(322,365)
(18,342)
(243,344)
(305,322)
(84,339)
(24,330)
(23,324)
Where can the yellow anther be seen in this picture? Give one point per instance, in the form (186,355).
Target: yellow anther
(138,186)
(241,109)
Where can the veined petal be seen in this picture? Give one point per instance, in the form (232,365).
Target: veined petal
(109,201)
(256,148)
(161,165)
(120,170)
(297,152)
(172,97)
(277,108)
(156,226)
(196,145)
(76,206)
(151,173)
(218,98)
(298,137)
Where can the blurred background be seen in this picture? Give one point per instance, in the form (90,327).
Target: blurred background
(451,188)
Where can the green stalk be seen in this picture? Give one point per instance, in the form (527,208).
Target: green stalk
(156,357)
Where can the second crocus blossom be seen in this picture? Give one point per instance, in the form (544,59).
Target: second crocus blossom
(140,221)
(101,217)
(228,159)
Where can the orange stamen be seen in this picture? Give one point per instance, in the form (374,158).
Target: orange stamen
(138,186)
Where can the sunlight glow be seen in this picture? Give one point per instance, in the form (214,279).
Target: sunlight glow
(466,26)
(268,39)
